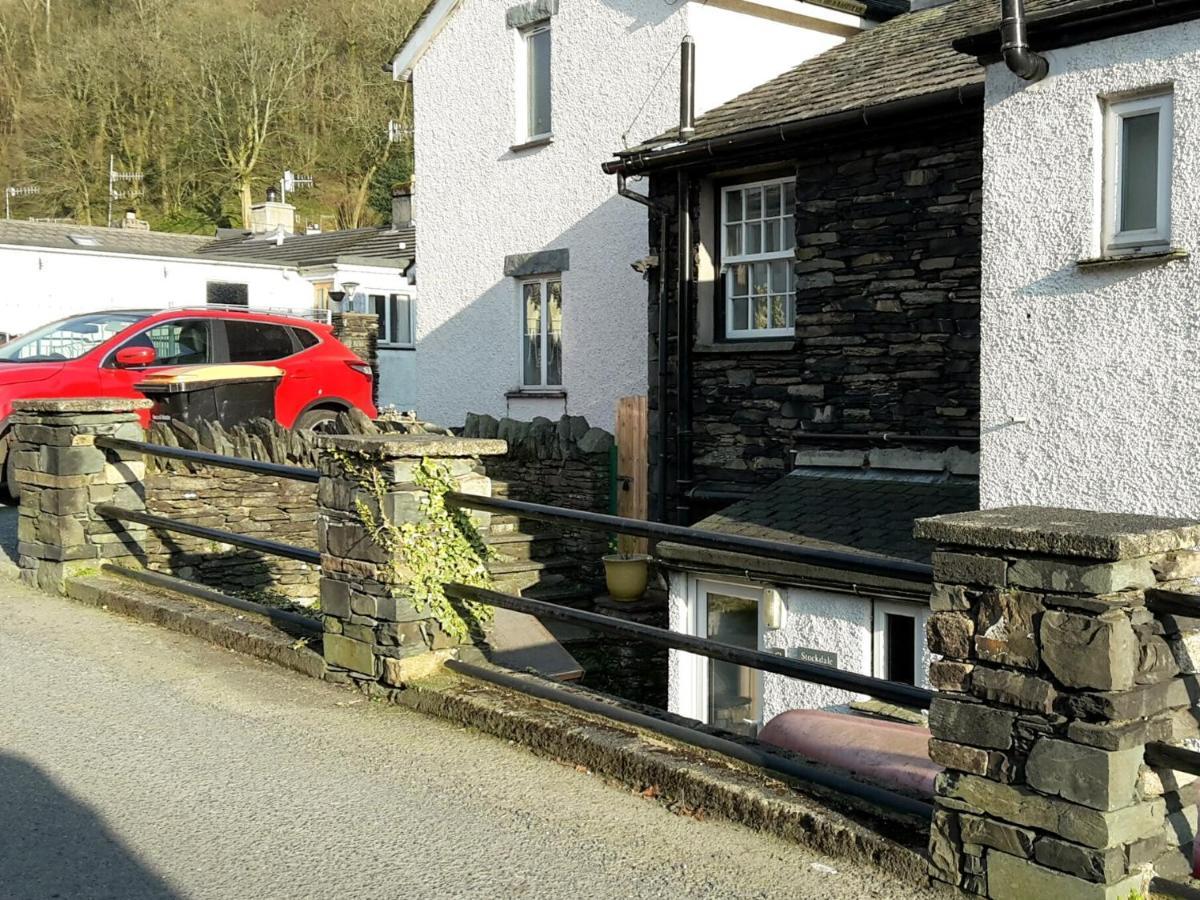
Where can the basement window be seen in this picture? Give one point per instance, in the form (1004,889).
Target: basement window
(1138,136)
(758,246)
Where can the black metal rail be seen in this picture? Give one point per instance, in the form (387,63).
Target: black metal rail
(1178,759)
(892,691)
(1173,603)
(274,548)
(695,537)
(290,620)
(295,473)
(875,796)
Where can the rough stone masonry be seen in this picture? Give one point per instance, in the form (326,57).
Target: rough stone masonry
(1053,677)
(62,476)
(373,634)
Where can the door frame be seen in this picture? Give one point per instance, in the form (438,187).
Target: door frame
(694,669)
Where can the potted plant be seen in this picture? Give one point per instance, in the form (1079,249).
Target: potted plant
(626,575)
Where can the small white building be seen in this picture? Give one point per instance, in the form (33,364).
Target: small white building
(527,248)
(55,270)
(1090,320)
(867,624)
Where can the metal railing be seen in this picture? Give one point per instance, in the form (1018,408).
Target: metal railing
(201,457)
(697,537)
(828,676)
(292,620)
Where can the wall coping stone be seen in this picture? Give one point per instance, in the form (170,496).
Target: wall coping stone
(404,446)
(82,405)
(1062,532)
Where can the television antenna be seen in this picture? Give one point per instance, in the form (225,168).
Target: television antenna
(17,191)
(114,178)
(290,181)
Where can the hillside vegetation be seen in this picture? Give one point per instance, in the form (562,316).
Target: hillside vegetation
(210,100)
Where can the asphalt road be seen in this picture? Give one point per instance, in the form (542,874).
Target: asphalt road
(137,763)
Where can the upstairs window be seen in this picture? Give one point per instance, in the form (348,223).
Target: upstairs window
(541,333)
(533,83)
(758,245)
(1138,137)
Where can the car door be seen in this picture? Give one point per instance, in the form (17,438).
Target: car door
(250,341)
(176,342)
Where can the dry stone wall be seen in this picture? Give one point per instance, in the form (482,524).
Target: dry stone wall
(564,463)
(1054,674)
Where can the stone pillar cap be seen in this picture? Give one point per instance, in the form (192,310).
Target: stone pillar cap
(1062,532)
(82,405)
(402,446)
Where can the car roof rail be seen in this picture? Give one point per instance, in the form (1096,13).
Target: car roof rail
(315,314)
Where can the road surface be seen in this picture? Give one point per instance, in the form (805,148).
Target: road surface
(137,763)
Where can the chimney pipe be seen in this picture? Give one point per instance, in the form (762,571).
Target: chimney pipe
(1014,43)
(687,88)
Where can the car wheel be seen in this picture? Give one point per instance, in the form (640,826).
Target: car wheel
(8,490)
(320,421)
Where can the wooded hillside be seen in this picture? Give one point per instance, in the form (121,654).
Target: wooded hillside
(210,100)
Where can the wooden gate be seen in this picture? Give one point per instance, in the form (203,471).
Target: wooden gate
(632,468)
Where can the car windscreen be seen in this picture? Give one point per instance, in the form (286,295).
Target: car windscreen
(69,338)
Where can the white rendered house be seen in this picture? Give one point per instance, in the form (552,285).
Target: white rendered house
(1090,320)
(529,304)
(56,270)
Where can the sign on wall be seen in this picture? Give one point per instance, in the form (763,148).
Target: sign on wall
(820,657)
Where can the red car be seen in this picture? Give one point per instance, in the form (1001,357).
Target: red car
(105,354)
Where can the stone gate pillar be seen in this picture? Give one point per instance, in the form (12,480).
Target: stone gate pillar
(374,635)
(1054,676)
(62,476)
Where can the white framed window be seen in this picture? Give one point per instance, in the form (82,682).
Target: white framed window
(1138,138)
(533,83)
(395,315)
(541,332)
(719,693)
(898,643)
(758,248)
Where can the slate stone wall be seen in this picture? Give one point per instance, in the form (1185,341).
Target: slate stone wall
(563,463)
(278,509)
(360,333)
(887,308)
(1055,673)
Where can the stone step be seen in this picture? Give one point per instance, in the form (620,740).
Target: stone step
(564,593)
(503,525)
(520,545)
(521,581)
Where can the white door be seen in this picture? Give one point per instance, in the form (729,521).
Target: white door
(720,693)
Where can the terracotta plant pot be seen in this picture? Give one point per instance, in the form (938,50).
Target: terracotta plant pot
(626,575)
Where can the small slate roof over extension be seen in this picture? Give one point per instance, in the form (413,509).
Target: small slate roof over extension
(909,56)
(362,244)
(90,238)
(868,516)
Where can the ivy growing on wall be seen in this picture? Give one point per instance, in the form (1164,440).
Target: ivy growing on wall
(444,546)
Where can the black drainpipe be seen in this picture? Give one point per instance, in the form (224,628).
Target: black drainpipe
(683,305)
(1014,43)
(662,212)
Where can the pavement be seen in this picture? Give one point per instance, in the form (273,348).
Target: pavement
(8,540)
(140,763)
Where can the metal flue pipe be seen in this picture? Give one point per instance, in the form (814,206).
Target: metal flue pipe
(1014,43)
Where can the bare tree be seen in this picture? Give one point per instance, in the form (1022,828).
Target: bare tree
(248,80)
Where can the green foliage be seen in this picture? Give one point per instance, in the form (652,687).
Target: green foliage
(209,99)
(443,547)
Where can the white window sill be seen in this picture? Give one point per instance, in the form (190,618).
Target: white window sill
(748,345)
(1151,256)
(387,346)
(532,144)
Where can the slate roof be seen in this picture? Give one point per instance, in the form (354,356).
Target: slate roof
(382,244)
(908,56)
(107,240)
(868,516)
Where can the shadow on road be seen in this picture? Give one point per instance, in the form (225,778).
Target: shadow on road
(51,845)
(8,540)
